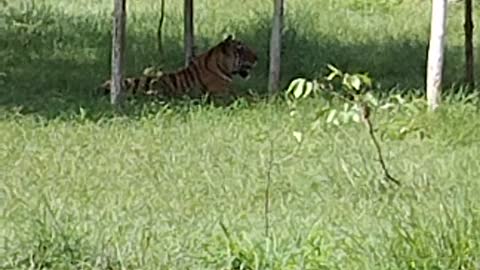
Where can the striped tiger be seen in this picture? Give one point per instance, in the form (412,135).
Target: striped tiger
(208,73)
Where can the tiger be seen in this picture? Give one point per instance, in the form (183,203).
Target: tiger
(209,73)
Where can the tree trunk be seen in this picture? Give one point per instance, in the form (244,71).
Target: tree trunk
(188,36)
(436,52)
(118,51)
(275,47)
(160,27)
(468,26)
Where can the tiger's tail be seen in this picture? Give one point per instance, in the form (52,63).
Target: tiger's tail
(132,85)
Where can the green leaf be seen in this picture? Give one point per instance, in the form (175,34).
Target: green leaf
(352,82)
(309,86)
(335,72)
(356,118)
(356,82)
(331,76)
(293,113)
(365,79)
(298,90)
(83,113)
(334,69)
(331,116)
(294,85)
(298,136)
(371,99)
(387,106)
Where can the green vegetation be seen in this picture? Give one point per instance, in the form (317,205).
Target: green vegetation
(85,187)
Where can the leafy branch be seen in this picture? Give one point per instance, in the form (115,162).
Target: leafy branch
(353,90)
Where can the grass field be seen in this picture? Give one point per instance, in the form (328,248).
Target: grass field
(85,187)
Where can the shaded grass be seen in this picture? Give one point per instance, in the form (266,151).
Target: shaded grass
(55,54)
(84,187)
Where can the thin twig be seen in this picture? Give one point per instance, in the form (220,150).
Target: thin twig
(225,230)
(267,189)
(366,119)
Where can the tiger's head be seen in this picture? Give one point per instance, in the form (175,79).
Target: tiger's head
(240,58)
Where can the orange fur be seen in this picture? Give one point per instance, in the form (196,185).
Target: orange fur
(210,72)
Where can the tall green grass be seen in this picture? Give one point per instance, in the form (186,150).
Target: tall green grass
(155,198)
(84,187)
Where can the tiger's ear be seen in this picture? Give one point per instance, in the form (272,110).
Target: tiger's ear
(225,44)
(228,38)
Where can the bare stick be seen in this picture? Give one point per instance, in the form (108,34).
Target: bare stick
(275,47)
(188,29)
(468,27)
(267,189)
(160,27)
(366,119)
(436,48)
(118,50)
(225,231)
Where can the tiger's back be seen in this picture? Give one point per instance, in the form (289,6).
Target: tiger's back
(210,72)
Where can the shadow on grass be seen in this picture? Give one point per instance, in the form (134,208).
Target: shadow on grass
(52,64)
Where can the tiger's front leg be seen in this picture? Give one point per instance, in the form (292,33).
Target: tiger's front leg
(225,97)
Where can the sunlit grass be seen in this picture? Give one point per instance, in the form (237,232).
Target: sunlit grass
(151,192)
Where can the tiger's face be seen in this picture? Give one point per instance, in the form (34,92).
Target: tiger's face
(244,58)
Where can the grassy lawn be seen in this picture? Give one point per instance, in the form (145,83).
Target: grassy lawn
(183,187)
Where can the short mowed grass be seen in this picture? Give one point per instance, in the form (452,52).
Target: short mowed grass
(178,186)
